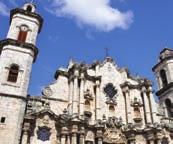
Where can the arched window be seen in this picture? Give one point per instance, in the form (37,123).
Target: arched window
(13,73)
(23,33)
(163,77)
(169,107)
(29,8)
(43,134)
(111,108)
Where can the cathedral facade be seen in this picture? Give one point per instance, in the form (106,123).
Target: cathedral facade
(96,103)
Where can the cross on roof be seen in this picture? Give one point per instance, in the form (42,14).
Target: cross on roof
(107,52)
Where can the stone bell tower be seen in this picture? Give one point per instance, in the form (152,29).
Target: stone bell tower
(164,74)
(18,53)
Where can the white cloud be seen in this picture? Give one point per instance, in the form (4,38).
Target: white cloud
(94,13)
(4,10)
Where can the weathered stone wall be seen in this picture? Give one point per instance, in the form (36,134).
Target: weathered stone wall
(13,111)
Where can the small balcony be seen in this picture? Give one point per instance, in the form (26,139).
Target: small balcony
(137,119)
(136,103)
(111,101)
(88,95)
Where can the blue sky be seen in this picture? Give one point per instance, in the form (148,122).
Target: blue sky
(135,31)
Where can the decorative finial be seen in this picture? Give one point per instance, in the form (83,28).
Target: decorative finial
(107,52)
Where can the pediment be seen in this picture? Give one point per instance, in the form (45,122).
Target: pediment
(42,113)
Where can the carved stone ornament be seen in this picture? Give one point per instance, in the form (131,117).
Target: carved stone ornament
(46,120)
(90,136)
(113,135)
(47,91)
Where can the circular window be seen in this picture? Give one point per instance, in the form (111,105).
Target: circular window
(24,28)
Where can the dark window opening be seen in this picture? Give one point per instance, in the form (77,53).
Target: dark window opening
(155,142)
(29,8)
(22,36)
(13,73)
(111,108)
(164,141)
(169,107)
(2,119)
(163,78)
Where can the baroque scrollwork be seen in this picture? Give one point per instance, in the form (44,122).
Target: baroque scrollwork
(47,91)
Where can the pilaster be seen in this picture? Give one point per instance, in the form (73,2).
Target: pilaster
(146,106)
(74,134)
(82,135)
(81,109)
(153,105)
(126,92)
(75,93)
(26,133)
(98,115)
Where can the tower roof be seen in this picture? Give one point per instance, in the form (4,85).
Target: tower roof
(165,54)
(29,9)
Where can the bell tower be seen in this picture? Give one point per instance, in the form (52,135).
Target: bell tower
(164,75)
(18,53)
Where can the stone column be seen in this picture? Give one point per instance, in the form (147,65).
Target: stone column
(74,134)
(99,136)
(128,106)
(100,141)
(70,96)
(64,133)
(63,139)
(98,115)
(146,106)
(82,136)
(25,137)
(26,132)
(75,93)
(81,109)
(153,106)
(68,139)
(159,141)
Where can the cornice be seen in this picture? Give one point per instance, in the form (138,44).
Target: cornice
(165,88)
(161,61)
(62,73)
(13,42)
(14,96)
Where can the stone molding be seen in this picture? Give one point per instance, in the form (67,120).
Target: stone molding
(13,42)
